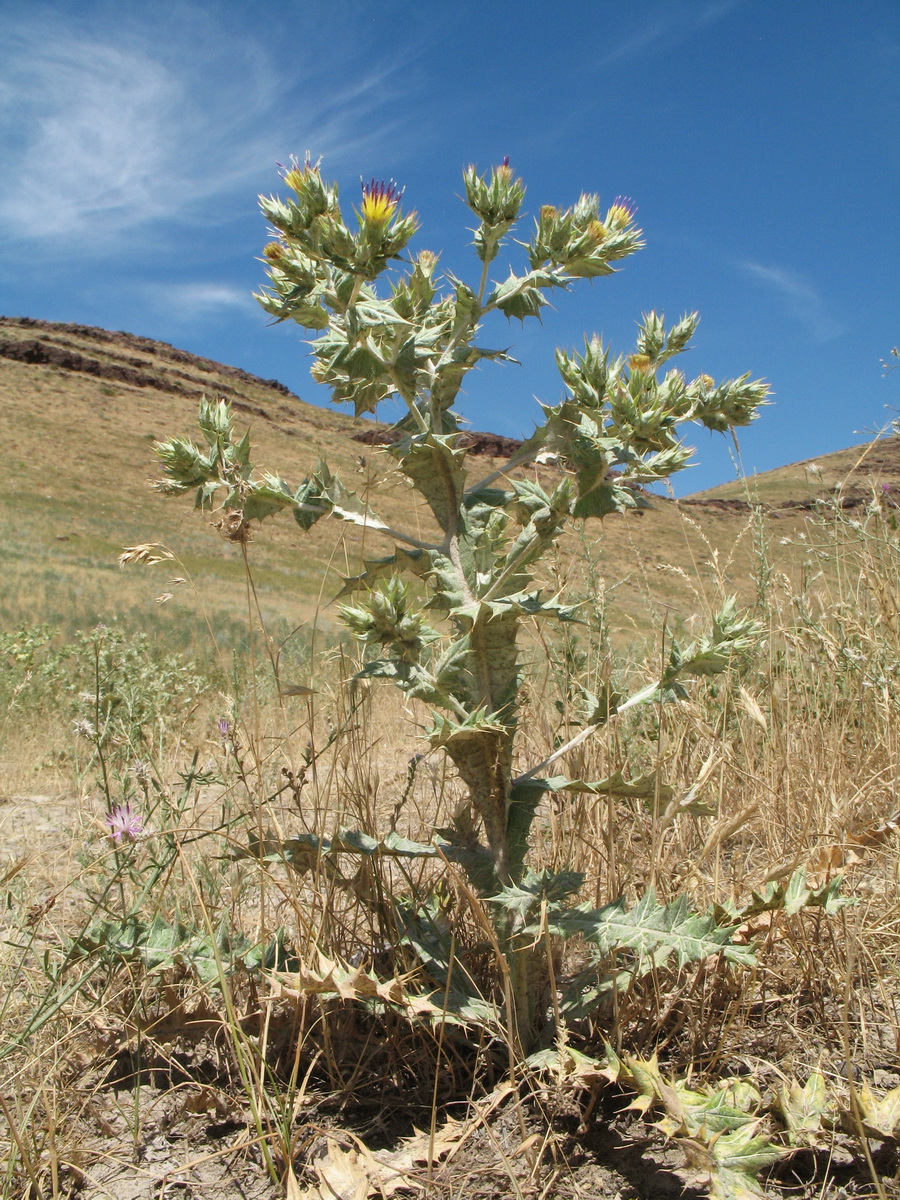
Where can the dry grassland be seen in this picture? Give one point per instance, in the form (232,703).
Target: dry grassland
(222,1005)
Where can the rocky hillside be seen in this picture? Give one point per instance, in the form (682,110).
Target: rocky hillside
(83,406)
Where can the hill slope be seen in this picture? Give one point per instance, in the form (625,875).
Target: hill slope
(83,406)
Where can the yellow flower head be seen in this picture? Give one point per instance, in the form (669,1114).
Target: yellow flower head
(296,176)
(380,200)
(639,362)
(274,250)
(621,212)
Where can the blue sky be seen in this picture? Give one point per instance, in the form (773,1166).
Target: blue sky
(758,139)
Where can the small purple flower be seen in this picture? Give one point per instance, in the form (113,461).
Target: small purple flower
(224,728)
(125,823)
(885,487)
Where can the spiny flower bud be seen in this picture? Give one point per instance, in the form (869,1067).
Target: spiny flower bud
(297,177)
(639,362)
(274,251)
(426,261)
(621,212)
(598,231)
(496,200)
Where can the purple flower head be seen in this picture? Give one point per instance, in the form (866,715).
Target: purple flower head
(84,728)
(224,727)
(505,162)
(125,823)
(885,487)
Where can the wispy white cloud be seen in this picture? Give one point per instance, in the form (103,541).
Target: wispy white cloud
(198,300)
(797,296)
(666,26)
(109,126)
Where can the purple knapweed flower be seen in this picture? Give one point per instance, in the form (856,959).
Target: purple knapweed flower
(885,487)
(224,727)
(125,823)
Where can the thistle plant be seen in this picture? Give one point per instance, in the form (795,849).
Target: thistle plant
(386,325)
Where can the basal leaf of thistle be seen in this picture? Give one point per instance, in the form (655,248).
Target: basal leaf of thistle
(809,1112)
(424,931)
(654,930)
(737,1157)
(880,1114)
(706,1113)
(529,893)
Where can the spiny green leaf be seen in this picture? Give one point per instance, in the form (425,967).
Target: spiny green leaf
(645,787)
(654,931)
(552,886)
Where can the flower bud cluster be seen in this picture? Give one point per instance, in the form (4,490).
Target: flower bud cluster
(313,240)
(497,200)
(582,243)
(623,413)
(386,619)
(734,402)
(412,295)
